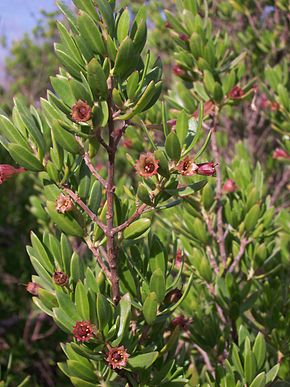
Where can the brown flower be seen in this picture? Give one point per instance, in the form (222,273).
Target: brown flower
(60,278)
(206,169)
(187,167)
(32,288)
(236,93)
(230,186)
(63,204)
(147,165)
(83,331)
(117,357)
(81,111)
(7,171)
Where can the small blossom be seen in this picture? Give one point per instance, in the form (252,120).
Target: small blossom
(7,171)
(128,143)
(81,111)
(117,357)
(173,296)
(187,167)
(274,106)
(184,37)
(60,278)
(147,165)
(83,331)
(178,71)
(178,258)
(63,204)
(280,153)
(168,25)
(206,169)
(264,101)
(181,321)
(230,186)
(32,288)
(236,93)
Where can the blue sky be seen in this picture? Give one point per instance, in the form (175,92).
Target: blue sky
(19,16)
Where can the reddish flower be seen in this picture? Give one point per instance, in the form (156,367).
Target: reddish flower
(209,107)
(236,93)
(280,153)
(206,169)
(147,165)
(274,106)
(60,278)
(168,25)
(184,37)
(32,288)
(128,143)
(264,101)
(63,204)
(117,357)
(178,71)
(81,111)
(230,186)
(173,296)
(178,258)
(83,331)
(187,167)
(7,171)
(181,321)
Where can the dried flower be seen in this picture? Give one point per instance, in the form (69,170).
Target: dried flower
(173,296)
(63,204)
(230,186)
(206,169)
(184,37)
(117,357)
(147,165)
(178,71)
(7,171)
(32,288)
(83,331)
(81,111)
(187,167)
(60,278)
(236,93)
(280,153)
(181,321)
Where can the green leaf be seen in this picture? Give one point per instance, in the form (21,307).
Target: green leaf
(123,25)
(64,222)
(41,254)
(81,300)
(24,157)
(66,304)
(70,65)
(209,82)
(66,252)
(64,138)
(150,308)
(143,361)
(97,79)
(157,258)
(77,382)
(143,195)
(76,268)
(107,14)
(271,375)
(259,381)
(172,146)
(259,350)
(91,34)
(163,169)
(157,285)
(88,7)
(125,314)
(250,367)
(104,312)
(123,68)
(132,85)
(69,42)
(236,360)
(137,228)
(81,370)
(182,126)
(11,133)
(252,217)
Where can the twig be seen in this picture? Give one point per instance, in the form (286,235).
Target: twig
(280,185)
(93,170)
(86,209)
(212,260)
(95,251)
(244,243)
(206,359)
(220,232)
(133,217)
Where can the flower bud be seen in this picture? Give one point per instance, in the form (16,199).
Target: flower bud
(117,357)
(173,296)
(60,278)
(83,331)
(178,71)
(280,153)
(178,258)
(230,186)
(32,288)
(206,169)
(147,165)
(181,321)
(236,93)
(7,171)
(168,25)
(184,37)
(81,111)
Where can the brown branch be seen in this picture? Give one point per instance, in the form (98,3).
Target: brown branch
(280,186)
(206,359)
(133,217)
(220,231)
(93,170)
(243,245)
(86,209)
(212,260)
(95,251)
